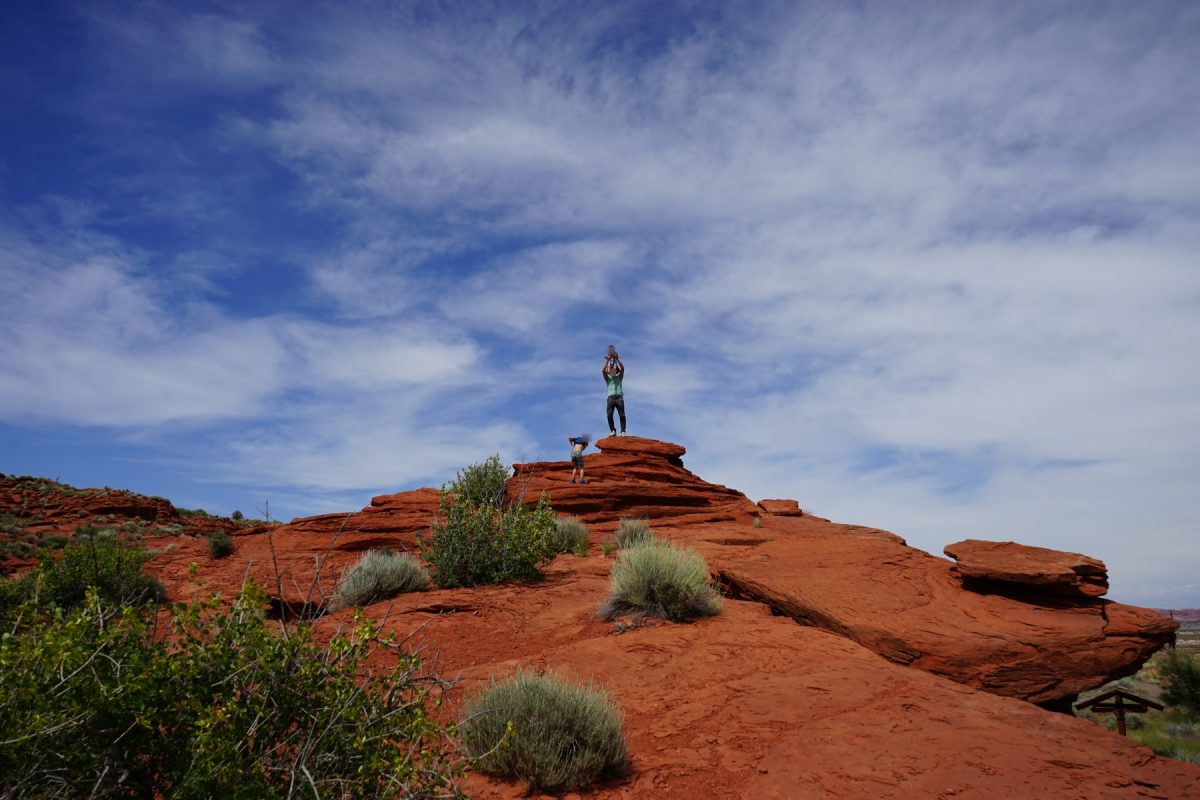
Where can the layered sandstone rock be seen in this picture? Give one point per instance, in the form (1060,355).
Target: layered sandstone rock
(782,508)
(636,477)
(992,565)
(749,704)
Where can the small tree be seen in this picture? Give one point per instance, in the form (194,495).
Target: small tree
(226,707)
(1181,676)
(480,536)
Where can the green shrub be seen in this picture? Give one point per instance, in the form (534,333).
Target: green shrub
(378,575)
(570,536)
(542,729)
(481,537)
(227,707)
(219,544)
(633,531)
(99,562)
(659,579)
(1180,674)
(482,485)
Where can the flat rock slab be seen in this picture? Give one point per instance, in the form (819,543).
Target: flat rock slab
(909,607)
(1039,568)
(783,508)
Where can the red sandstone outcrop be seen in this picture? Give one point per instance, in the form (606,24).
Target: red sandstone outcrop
(748,704)
(633,477)
(1036,569)
(782,508)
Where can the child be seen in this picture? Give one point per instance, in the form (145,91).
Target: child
(578,444)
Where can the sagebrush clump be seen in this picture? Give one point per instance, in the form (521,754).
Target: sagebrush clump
(481,536)
(632,531)
(571,536)
(659,579)
(219,543)
(542,729)
(378,575)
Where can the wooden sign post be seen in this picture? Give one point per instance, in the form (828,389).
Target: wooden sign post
(1120,703)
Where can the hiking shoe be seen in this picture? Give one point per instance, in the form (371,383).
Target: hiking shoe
(582,481)
(572,480)
(612,433)
(622,433)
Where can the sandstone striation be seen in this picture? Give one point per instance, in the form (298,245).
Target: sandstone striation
(1000,565)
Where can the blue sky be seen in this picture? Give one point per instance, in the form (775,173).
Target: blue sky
(925,266)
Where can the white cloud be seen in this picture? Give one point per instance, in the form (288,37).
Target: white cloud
(930,271)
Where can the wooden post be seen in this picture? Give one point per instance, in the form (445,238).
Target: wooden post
(1120,712)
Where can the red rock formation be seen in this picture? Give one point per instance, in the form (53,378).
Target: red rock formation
(989,565)
(909,607)
(748,704)
(783,508)
(635,477)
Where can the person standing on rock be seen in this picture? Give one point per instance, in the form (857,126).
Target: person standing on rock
(578,445)
(613,373)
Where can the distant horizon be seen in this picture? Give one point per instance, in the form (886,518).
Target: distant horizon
(925,267)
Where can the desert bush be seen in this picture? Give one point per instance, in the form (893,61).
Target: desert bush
(219,544)
(1180,675)
(114,570)
(633,531)
(237,516)
(542,729)
(570,536)
(378,575)
(227,707)
(659,579)
(481,537)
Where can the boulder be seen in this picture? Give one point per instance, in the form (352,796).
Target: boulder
(782,508)
(990,565)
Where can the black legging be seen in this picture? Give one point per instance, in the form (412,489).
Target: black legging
(616,401)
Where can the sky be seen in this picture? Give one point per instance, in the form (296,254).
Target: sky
(925,266)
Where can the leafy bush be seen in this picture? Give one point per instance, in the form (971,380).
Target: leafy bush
(227,707)
(378,575)
(545,730)
(633,531)
(570,536)
(99,562)
(219,543)
(482,485)
(1180,674)
(237,516)
(481,537)
(659,579)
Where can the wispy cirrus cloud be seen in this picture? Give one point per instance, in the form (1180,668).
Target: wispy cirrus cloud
(930,271)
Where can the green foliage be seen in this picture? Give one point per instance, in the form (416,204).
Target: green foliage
(237,516)
(480,537)
(633,531)
(99,562)
(219,543)
(659,579)
(544,730)
(481,485)
(378,575)
(1180,674)
(98,703)
(570,536)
